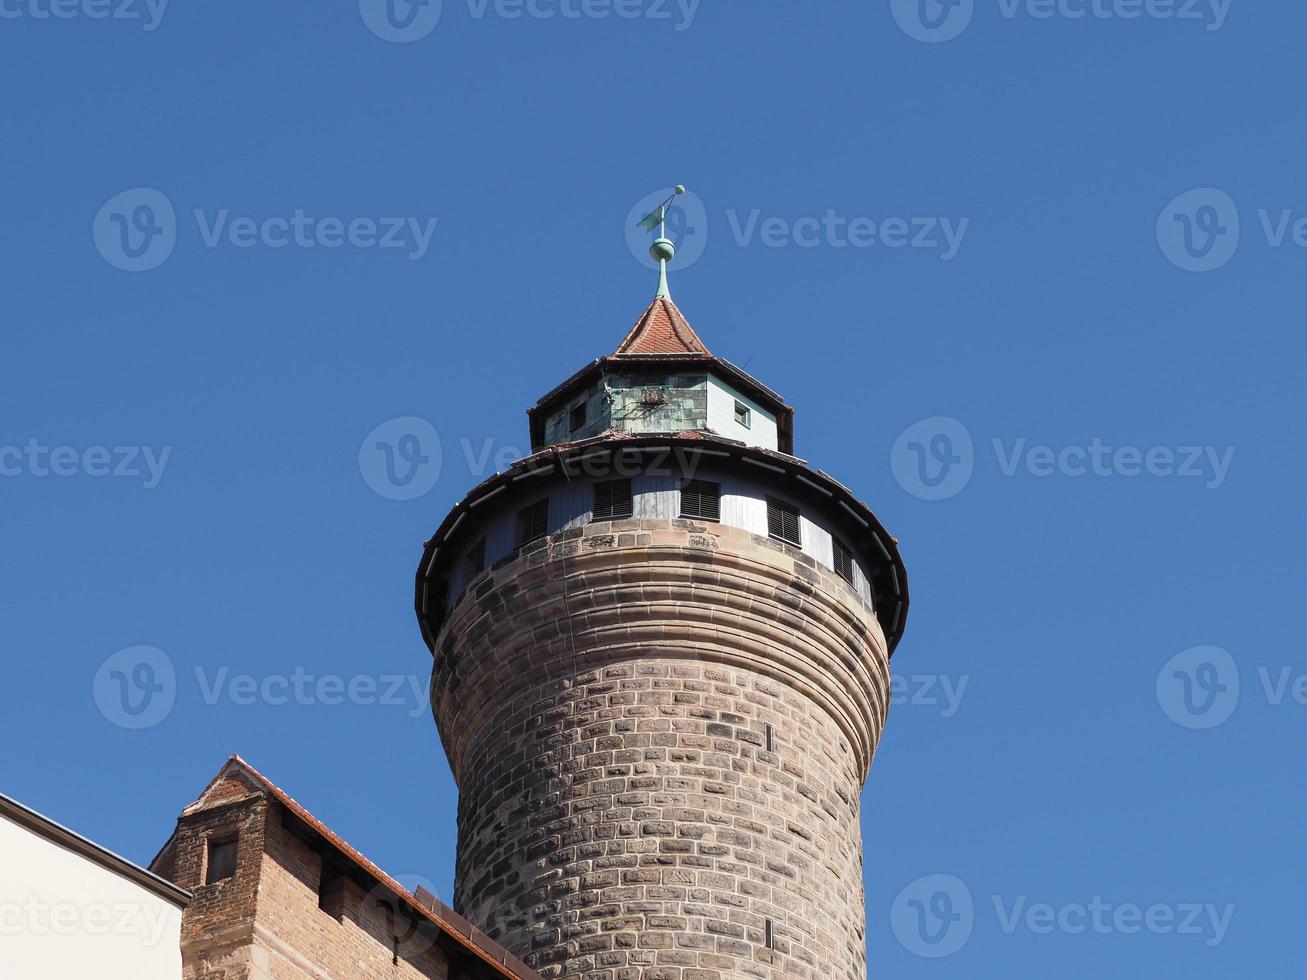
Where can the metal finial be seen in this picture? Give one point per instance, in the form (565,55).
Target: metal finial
(662,249)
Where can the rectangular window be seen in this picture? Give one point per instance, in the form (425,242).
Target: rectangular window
(702,500)
(843,560)
(533,522)
(612,499)
(577,418)
(221,863)
(783,521)
(475,562)
(743,415)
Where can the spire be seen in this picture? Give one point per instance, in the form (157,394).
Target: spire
(662,249)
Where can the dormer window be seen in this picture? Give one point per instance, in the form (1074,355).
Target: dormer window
(220,863)
(576,419)
(743,415)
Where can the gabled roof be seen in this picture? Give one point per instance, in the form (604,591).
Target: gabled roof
(57,833)
(471,940)
(662,329)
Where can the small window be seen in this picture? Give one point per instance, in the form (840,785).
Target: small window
(701,499)
(532,522)
(843,560)
(783,521)
(222,861)
(612,499)
(577,417)
(475,562)
(743,415)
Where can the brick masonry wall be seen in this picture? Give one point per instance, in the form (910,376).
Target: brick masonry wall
(605,698)
(265,923)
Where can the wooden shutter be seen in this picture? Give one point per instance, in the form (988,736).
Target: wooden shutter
(702,500)
(783,521)
(843,560)
(476,560)
(612,499)
(532,522)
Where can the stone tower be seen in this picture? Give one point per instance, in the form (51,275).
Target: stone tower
(662,650)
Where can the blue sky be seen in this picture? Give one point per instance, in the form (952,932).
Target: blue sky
(1028,278)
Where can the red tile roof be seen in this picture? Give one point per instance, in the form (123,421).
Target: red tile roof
(662,329)
(471,939)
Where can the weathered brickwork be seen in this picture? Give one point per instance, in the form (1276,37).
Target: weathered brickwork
(660,731)
(299,907)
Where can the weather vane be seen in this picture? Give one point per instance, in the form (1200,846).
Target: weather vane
(662,248)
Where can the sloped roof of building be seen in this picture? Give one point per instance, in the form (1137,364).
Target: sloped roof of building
(472,940)
(57,833)
(662,329)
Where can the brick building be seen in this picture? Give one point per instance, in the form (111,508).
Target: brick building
(275,894)
(661,670)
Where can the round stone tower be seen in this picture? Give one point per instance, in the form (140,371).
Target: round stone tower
(662,651)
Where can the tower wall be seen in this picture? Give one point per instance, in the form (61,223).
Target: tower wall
(660,729)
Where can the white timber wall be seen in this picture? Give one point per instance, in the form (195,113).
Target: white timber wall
(65,915)
(721,416)
(654,496)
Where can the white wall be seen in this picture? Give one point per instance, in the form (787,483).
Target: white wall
(743,505)
(64,915)
(721,417)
